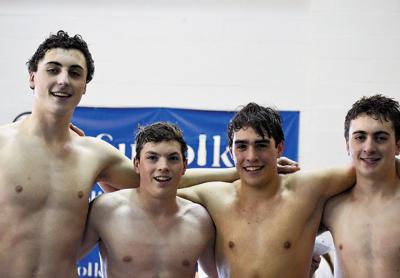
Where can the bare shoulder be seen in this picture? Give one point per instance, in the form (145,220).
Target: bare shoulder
(335,205)
(93,143)
(194,213)
(191,208)
(9,131)
(108,202)
(217,187)
(97,148)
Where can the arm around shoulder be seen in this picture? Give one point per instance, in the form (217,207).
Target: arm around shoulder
(118,171)
(328,182)
(197,176)
(90,236)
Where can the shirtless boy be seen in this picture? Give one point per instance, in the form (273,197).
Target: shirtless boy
(47,170)
(265,223)
(160,235)
(363,221)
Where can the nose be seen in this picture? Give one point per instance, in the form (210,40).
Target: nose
(162,165)
(63,78)
(251,154)
(369,145)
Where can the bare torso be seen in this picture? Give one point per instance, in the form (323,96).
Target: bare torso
(270,238)
(43,201)
(149,246)
(366,235)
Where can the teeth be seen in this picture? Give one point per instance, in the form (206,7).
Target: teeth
(60,94)
(252,168)
(162,179)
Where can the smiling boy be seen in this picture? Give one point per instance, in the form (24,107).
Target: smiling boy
(161,235)
(363,221)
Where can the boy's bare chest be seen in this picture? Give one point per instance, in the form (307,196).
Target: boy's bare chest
(35,177)
(145,243)
(367,230)
(266,231)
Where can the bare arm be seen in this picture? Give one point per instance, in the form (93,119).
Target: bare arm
(118,171)
(197,176)
(203,175)
(207,259)
(323,184)
(90,237)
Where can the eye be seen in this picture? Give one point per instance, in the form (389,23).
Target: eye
(262,145)
(241,147)
(152,157)
(75,74)
(53,71)
(359,137)
(174,158)
(381,138)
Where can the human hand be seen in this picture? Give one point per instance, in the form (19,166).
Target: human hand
(287,166)
(76,129)
(316,260)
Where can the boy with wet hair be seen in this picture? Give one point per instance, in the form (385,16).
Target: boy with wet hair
(263,121)
(162,235)
(265,223)
(64,41)
(47,170)
(363,220)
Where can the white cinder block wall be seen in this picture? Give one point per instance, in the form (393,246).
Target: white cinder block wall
(315,56)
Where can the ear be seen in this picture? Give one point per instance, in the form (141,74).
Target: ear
(32,80)
(136,163)
(280,148)
(84,89)
(184,166)
(398,147)
(347,147)
(232,154)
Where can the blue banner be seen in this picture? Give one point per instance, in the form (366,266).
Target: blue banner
(205,133)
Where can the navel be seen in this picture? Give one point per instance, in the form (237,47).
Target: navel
(19,189)
(231,244)
(127,259)
(340,247)
(287,245)
(185,263)
(80,194)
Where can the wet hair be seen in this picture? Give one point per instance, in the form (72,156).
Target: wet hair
(264,120)
(378,107)
(63,40)
(159,132)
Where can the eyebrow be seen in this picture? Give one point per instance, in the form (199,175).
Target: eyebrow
(375,133)
(256,141)
(156,153)
(60,65)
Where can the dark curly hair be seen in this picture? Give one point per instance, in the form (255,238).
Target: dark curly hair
(63,40)
(379,107)
(159,132)
(264,120)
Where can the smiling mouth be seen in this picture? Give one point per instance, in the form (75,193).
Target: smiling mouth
(61,94)
(370,160)
(162,178)
(253,168)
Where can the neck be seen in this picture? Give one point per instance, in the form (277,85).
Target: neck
(262,192)
(377,186)
(157,206)
(51,128)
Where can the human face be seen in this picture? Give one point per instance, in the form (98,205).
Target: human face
(255,156)
(372,146)
(60,80)
(160,167)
